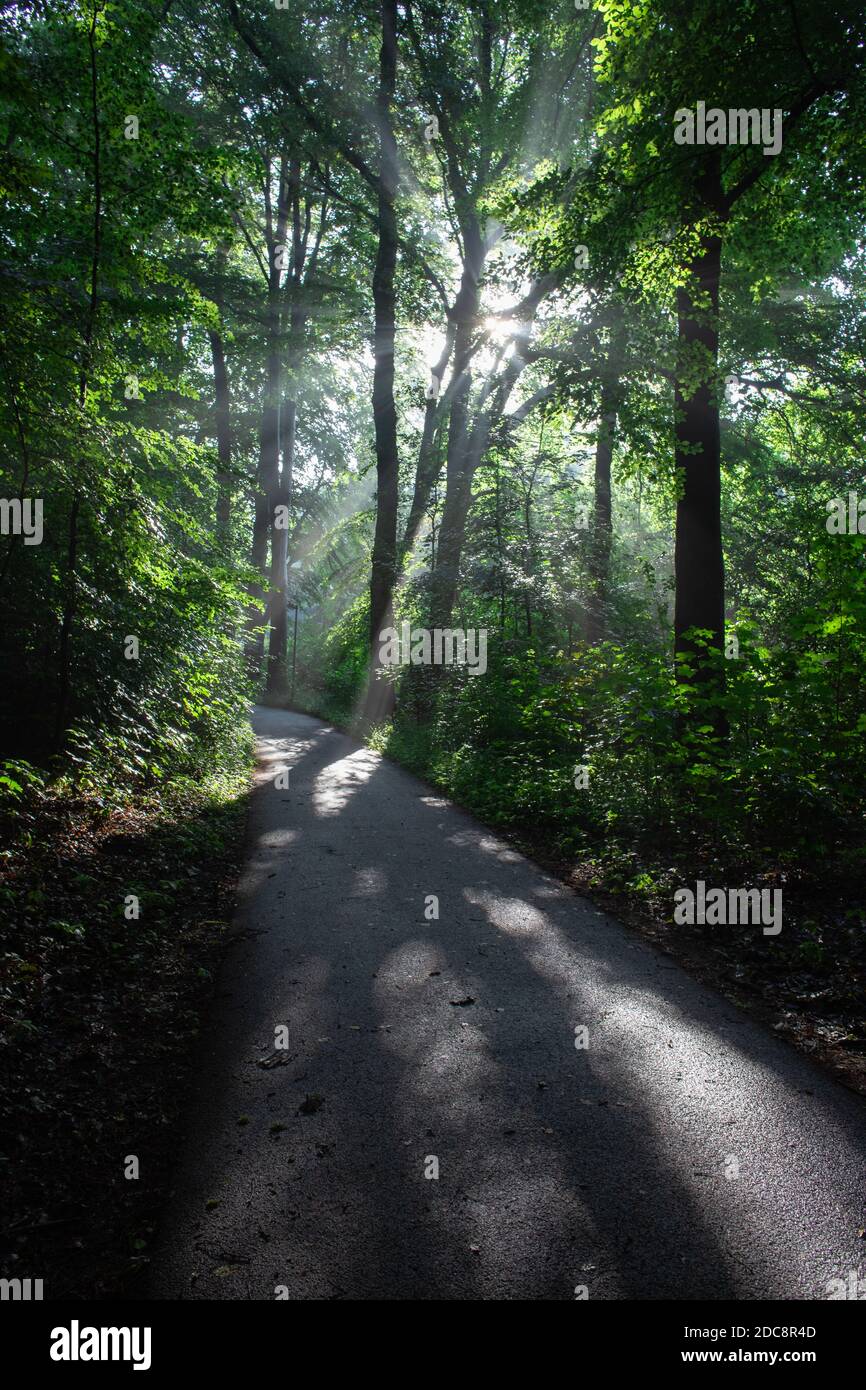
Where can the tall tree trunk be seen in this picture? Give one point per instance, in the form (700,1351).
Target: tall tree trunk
(269,465)
(222,418)
(222,410)
(458,465)
(384,558)
(601,539)
(267,486)
(268,474)
(258,562)
(699,563)
(278,602)
(69,606)
(428,467)
(455,514)
(470,448)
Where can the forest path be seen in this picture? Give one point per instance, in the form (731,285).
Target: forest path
(559,1167)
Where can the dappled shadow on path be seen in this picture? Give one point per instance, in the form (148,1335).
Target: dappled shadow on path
(449,1044)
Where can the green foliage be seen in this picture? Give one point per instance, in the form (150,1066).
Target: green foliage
(96,416)
(784,773)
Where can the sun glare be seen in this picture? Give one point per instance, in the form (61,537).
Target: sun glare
(500,329)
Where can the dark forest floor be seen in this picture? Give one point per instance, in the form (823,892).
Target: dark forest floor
(99,1018)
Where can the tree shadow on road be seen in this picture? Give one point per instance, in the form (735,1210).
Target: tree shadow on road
(419,1045)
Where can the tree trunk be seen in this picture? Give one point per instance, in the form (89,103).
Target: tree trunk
(65,646)
(267,487)
(458,466)
(699,563)
(601,540)
(258,561)
(384,558)
(278,603)
(429,463)
(222,418)
(268,473)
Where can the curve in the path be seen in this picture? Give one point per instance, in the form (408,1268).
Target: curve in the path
(608,1167)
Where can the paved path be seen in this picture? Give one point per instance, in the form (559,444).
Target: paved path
(559,1167)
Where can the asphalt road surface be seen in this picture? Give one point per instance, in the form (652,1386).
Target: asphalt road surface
(418,1045)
